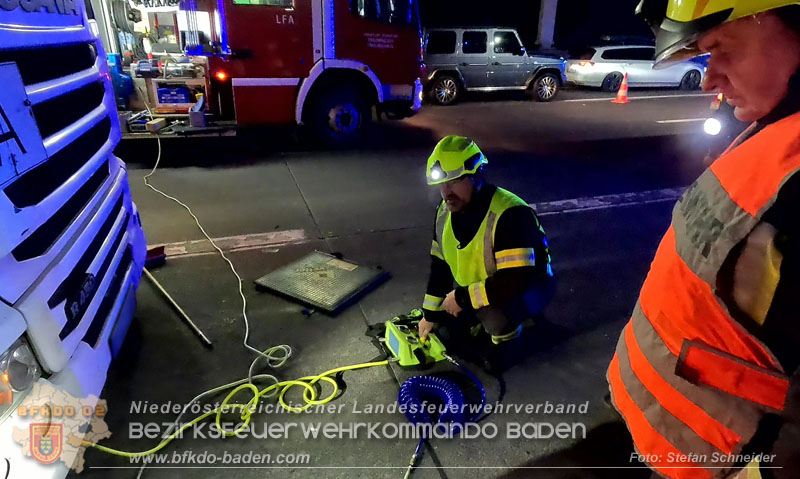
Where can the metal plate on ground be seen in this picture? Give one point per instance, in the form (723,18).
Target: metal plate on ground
(323,281)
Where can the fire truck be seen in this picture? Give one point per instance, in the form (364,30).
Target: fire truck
(326,64)
(71,243)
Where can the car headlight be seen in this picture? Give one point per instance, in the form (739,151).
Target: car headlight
(19,370)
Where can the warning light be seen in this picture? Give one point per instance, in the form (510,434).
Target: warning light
(221,75)
(717,103)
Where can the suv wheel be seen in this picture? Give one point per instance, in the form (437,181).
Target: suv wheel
(339,116)
(545,87)
(691,81)
(446,90)
(612,82)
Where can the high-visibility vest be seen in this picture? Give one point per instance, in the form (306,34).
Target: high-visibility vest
(690,381)
(474,262)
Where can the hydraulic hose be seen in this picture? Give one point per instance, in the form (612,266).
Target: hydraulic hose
(415,391)
(310,398)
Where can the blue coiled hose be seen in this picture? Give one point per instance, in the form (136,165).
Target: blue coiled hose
(414,392)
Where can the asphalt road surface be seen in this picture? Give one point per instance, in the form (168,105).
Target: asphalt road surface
(603,177)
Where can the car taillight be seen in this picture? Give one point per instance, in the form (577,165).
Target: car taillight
(586,64)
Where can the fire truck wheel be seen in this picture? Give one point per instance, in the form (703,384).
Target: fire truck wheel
(339,116)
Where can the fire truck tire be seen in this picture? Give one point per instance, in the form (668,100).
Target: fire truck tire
(339,116)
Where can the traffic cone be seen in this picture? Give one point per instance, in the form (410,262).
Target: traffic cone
(622,96)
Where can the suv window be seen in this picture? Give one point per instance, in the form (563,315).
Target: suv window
(645,54)
(582,54)
(629,54)
(385,11)
(439,43)
(474,42)
(507,42)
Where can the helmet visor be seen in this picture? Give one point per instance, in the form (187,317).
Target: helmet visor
(677,41)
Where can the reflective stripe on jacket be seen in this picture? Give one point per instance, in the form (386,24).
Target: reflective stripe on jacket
(690,381)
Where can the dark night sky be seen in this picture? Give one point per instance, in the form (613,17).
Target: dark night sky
(578,22)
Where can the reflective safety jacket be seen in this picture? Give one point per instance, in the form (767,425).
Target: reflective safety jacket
(470,257)
(691,382)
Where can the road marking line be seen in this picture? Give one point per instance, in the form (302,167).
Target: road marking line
(187,249)
(687,120)
(202,247)
(576,205)
(654,97)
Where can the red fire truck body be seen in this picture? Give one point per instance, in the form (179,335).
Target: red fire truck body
(324,63)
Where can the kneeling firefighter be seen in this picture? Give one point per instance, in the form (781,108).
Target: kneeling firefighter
(490,261)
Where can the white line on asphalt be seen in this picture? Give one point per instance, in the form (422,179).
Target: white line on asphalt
(187,249)
(654,97)
(248,242)
(687,120)
(576,205)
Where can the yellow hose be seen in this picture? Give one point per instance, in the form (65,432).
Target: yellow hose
(247,409)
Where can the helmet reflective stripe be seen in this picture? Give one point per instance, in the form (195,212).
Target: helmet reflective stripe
(454,157)
(679,23)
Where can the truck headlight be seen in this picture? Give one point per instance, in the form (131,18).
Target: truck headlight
(19,370)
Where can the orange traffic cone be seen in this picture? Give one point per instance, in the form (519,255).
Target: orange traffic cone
(622,96)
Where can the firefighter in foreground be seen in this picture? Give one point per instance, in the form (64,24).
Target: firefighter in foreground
(702,371)
(490,262)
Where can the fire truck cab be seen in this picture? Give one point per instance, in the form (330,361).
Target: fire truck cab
(327,64)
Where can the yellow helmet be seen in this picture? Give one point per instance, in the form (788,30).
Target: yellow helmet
(454,157)
(679,23)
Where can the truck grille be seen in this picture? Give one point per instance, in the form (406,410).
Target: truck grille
(71,286)
(39,182)
(68,115)
(114,289)
(38,65)
(44,236)
(58,113)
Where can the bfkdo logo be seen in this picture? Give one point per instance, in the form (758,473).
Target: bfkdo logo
(47,441)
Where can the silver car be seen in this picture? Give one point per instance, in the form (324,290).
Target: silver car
(605,67)
(486,59)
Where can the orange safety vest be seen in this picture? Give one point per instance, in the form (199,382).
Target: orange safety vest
(690,381)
